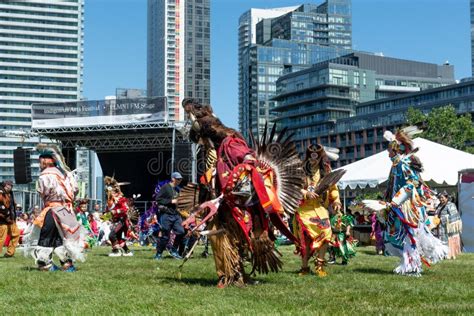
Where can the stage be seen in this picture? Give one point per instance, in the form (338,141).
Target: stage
(133,139)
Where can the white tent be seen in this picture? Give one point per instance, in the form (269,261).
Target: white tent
(441,165)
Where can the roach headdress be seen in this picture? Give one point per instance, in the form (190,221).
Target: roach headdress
(52,151)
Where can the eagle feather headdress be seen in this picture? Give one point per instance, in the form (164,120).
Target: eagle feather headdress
(112,184)
(401,141)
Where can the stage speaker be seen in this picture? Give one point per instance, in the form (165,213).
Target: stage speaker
(22,165)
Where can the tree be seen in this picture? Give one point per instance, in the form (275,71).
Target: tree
(369,195)
(443,125)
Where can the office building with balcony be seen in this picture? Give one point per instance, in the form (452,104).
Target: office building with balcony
(361,136)
(311,102)
(292,40)
(41,60)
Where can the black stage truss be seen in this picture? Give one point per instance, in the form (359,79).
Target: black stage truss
(114,138)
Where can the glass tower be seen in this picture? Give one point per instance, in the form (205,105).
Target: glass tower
(290,41)
(247,37)
(41,60)
(178,57)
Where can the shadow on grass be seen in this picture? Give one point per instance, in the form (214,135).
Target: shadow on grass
(369,252)
(36,270)
(373,271)
(30,269)
(102,255)
(208,282)
(144,250)
(294,272)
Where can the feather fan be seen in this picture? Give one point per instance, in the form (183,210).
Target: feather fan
(279,153)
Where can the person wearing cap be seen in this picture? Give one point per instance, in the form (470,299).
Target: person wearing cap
(8,228)
(170,219)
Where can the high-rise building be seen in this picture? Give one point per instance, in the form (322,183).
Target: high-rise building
(247,37)
(41,60)
(275,42)
(328,24)
(248,23)
(472,36)
(178,62)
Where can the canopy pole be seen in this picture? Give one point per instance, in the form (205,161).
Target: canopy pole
(344,200)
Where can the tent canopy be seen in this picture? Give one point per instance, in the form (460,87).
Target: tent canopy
(441,165)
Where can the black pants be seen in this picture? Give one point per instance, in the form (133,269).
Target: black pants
(170,222)
(118,229)
(49,234)
(187,243)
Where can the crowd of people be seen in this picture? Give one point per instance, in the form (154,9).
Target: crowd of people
(248,198)
(105,227)
(15,223)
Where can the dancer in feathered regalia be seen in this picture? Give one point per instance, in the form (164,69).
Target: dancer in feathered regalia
(407,235)
(342,244)
(117,206)
(311,222)
(56,229)
(81,217)
(251,188)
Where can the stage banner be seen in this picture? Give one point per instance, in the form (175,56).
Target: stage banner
(99,112)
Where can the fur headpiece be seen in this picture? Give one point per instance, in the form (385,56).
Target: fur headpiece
(52,151)
(193,108)
(315,152)
(319,151)
(205,124)
(322,155)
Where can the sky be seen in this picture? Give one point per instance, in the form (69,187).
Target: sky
(433,31)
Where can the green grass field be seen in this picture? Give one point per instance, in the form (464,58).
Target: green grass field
(141,285)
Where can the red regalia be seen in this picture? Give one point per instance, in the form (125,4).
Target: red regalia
(118,206)
(249,191)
